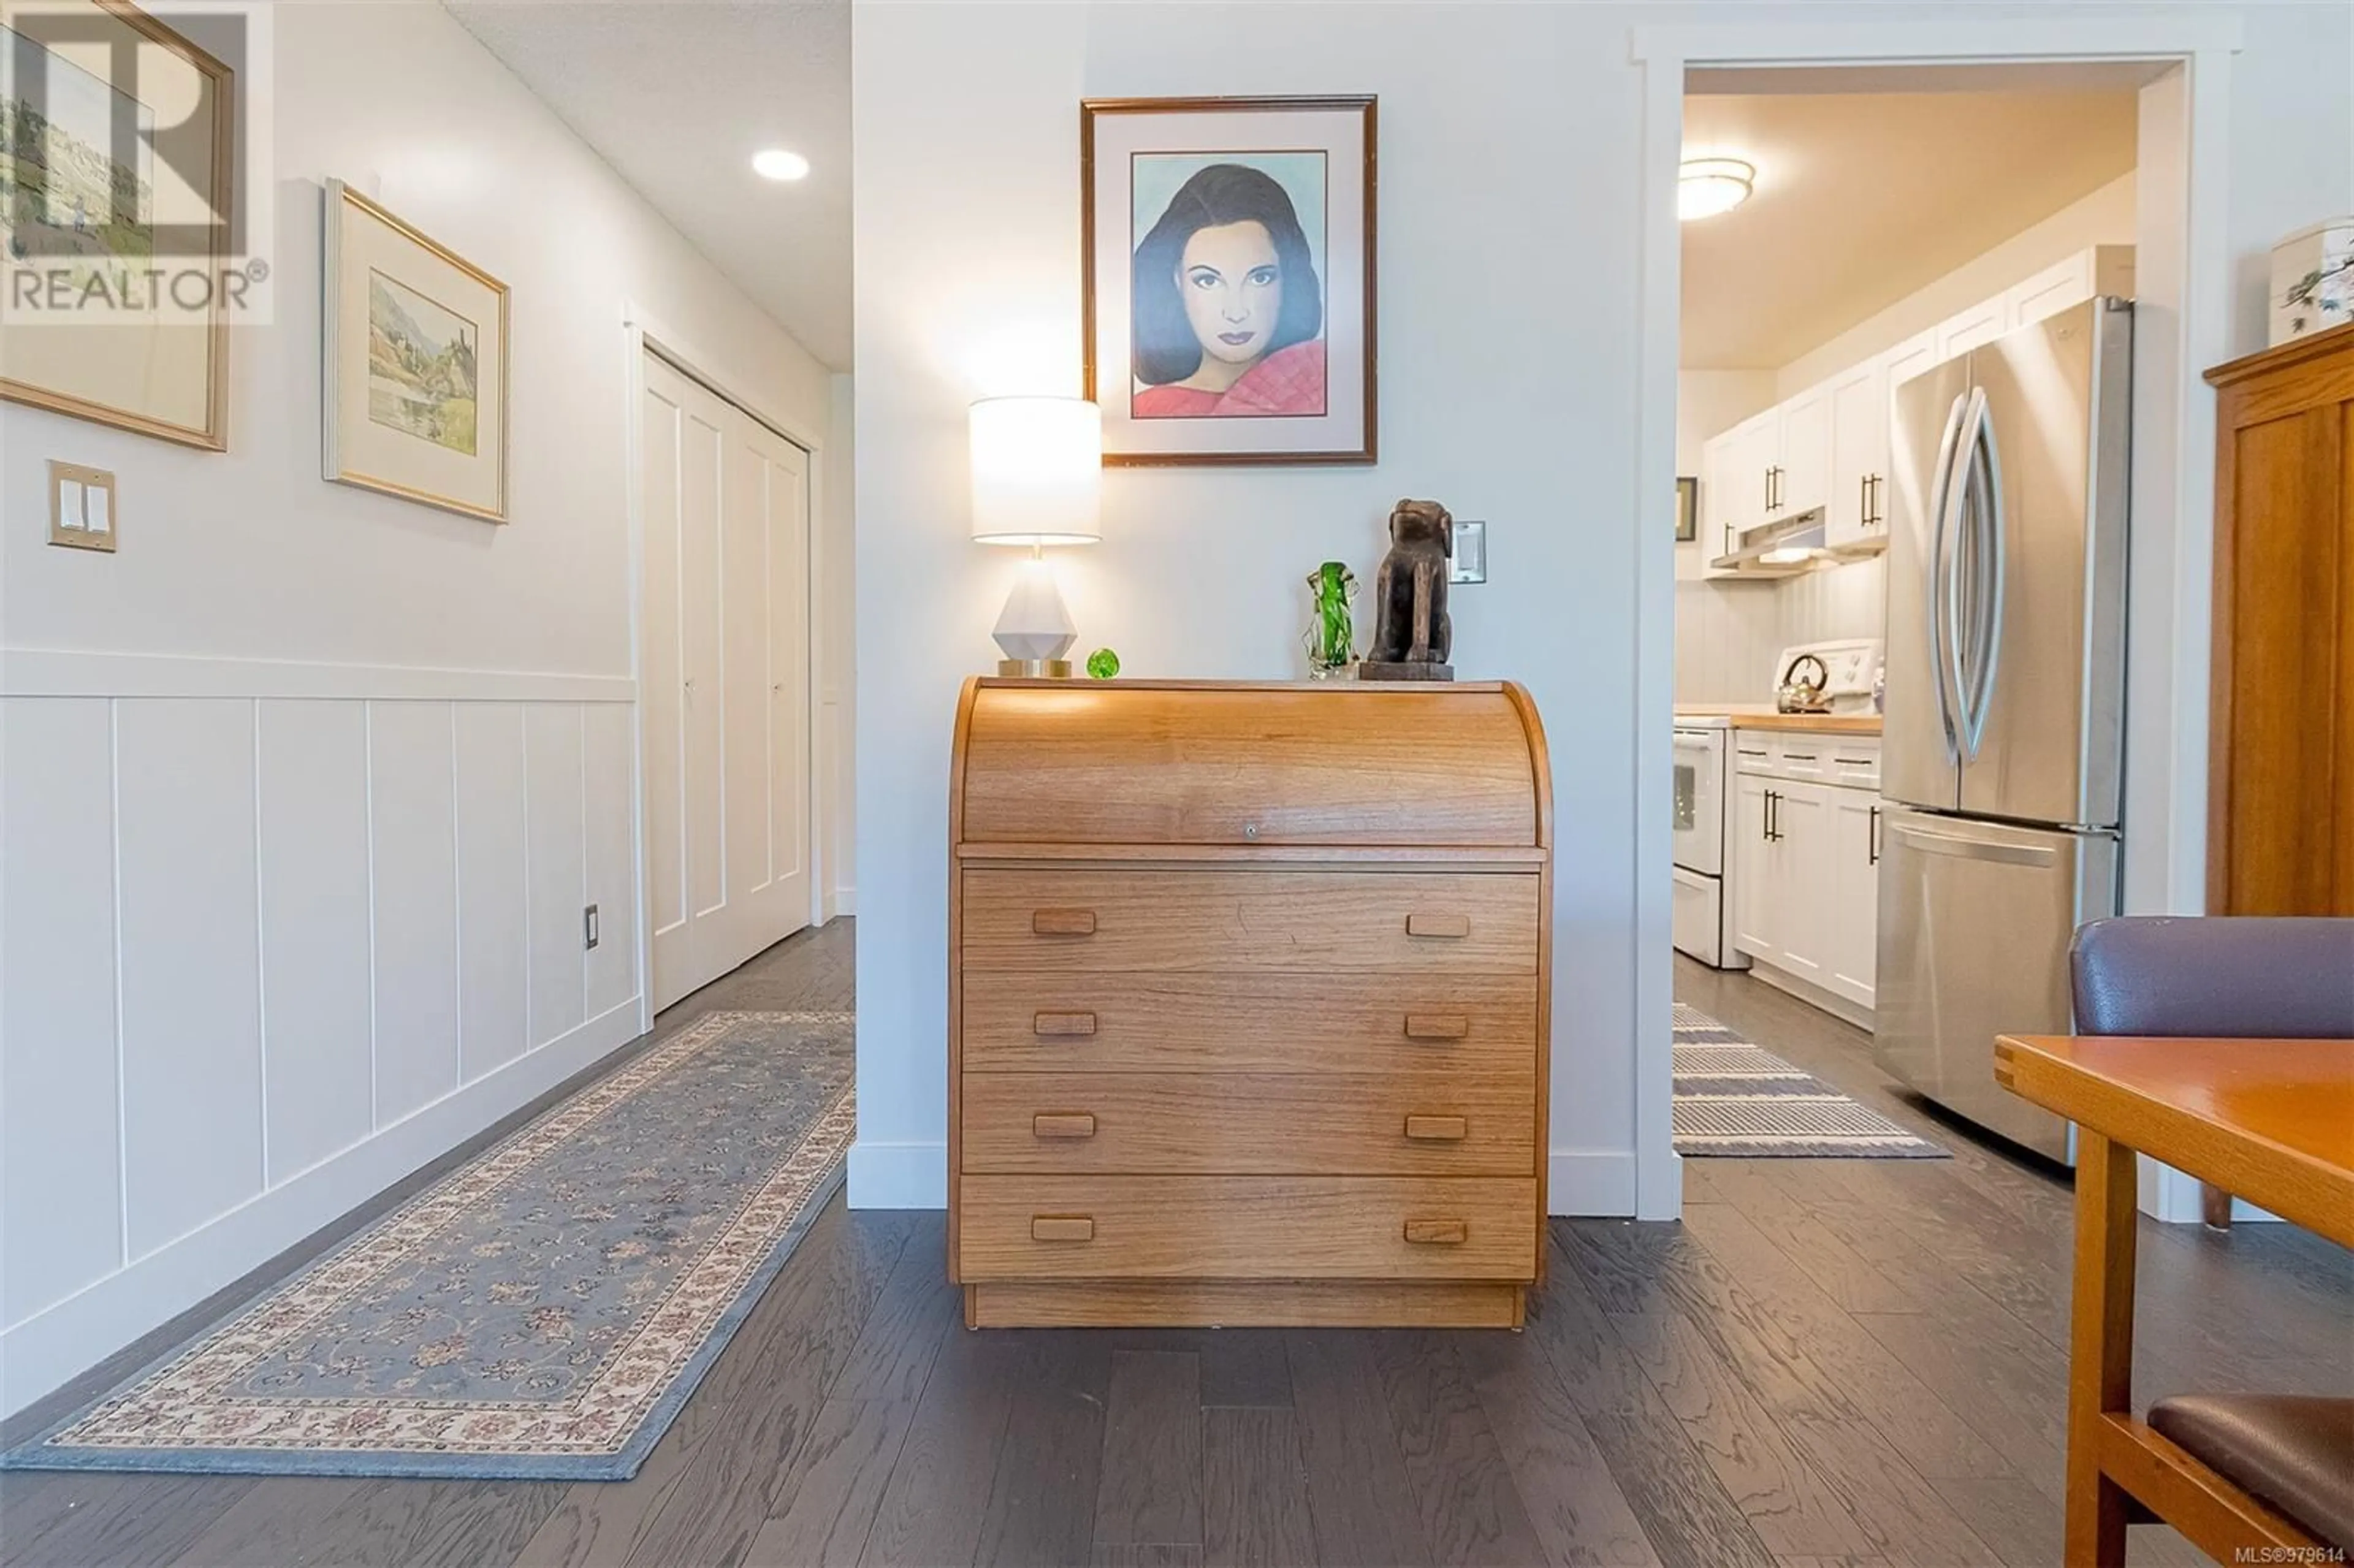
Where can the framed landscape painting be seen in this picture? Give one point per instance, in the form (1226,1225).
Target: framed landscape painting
(1227,277)
(117,145)
(415,364)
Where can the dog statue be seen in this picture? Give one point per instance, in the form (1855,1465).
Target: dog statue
(1412,635)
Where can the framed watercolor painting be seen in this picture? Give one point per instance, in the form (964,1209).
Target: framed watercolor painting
(118,140)
(415,364)
(1227,263)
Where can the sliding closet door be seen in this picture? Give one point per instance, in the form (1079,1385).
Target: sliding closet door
(725,682)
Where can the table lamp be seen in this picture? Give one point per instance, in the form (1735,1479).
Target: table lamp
(1037,480)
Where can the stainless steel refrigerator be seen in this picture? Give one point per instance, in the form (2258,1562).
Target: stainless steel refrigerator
(2003,741)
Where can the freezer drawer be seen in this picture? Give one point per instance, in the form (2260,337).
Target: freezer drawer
(1975,920)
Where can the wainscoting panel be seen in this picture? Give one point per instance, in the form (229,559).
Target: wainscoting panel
(557,857)
(60,1157)
(493,935)
(317,1073)
(191,984)
(348,936)
(413,839)
(608,743)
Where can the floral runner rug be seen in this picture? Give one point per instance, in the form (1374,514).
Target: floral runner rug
(1735,1098)
(542,1311)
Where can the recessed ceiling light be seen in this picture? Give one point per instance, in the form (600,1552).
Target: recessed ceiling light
(1706,186)
(776,164)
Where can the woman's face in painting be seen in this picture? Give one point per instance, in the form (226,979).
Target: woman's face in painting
(1233,288)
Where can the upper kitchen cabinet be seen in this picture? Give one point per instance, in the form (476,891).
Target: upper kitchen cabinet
(2103,270)
(1856,515)
(1803,481)
(1982,323)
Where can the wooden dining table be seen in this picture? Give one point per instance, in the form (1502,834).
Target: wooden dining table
(2270,1120)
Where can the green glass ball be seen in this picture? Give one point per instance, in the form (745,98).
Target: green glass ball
(1103,664)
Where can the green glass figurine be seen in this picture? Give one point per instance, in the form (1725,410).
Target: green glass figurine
(1103,664)
(1331,640)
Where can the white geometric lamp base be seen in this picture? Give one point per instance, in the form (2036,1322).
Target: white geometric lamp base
(1035,630)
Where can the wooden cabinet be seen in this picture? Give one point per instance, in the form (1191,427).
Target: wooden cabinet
(2280,825)
(1247,1004)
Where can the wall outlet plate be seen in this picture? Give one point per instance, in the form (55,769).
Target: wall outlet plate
(81,506)
(1470,562)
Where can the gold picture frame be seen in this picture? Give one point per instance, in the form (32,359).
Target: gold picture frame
(414,364)
(180,367)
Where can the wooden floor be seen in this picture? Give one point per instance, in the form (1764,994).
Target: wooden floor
(1828,1361)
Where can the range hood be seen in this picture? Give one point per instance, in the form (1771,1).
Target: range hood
(1782,548)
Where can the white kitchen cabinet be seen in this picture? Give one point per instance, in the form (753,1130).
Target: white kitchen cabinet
(1802,481)
(1909,358)
(2103,270)
(1855,519)
(1982,323)
(1720,510)
(1756,899)
(1852,906)
(1801,866)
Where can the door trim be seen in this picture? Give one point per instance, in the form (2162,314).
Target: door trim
(643,334)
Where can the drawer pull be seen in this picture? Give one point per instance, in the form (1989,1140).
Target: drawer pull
(1435,1233)
(1062,1228)
(1062,922)
(1436,1026)
(1437,1128)
(1062,1124)
(1053,1024)
(1439,925)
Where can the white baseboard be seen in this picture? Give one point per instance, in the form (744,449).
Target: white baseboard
(899,1175)
(1592,1183)
(840,902)
(52,1346)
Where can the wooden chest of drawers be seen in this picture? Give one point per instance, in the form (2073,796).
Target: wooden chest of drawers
(1248,1003)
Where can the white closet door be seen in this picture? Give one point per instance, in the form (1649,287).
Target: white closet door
(725,682)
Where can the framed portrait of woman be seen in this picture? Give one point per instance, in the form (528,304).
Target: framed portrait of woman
(1227,277)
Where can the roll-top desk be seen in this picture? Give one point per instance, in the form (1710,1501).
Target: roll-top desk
(1248,999)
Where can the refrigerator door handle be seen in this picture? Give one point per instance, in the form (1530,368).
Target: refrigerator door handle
(1983,649)
(1941,502)
(1962,847)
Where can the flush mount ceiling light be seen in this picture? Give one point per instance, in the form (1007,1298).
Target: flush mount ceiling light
(776,164)
(1706,186)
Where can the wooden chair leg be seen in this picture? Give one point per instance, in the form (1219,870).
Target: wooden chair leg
(2100,1345)
(2215,1205)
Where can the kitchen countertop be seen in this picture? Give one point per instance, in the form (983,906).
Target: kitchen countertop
(1755,715)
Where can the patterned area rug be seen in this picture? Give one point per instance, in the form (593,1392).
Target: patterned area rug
(1738,1099)
(542,1311)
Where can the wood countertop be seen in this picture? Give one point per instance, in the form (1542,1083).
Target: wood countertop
(1814,723)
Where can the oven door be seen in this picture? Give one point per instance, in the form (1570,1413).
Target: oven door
(1699,801)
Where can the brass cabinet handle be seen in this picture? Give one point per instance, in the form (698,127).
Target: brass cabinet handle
(1062,1124)
(1436,1026)
(1439,925)
(1437,1128)
(1435,1233)
(1062,1228)
(1062,922)
(1051,1024)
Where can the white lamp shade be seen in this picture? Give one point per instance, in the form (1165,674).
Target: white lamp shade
(1037,470)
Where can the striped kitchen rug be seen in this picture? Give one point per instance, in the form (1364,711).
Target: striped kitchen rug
(1737,1099)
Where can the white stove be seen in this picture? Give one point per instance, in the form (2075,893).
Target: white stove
(1701,905)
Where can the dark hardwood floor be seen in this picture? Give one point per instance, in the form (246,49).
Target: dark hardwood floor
(1828,1361)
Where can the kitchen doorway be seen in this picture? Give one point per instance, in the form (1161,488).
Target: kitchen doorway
(2175,69)
(723,679)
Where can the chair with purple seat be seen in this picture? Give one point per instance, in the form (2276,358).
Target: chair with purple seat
(2261,978)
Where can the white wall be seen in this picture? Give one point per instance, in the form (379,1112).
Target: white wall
(1510,211)
(305,788)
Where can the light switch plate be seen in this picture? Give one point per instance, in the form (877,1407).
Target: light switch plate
(1470,563)
(81,506)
